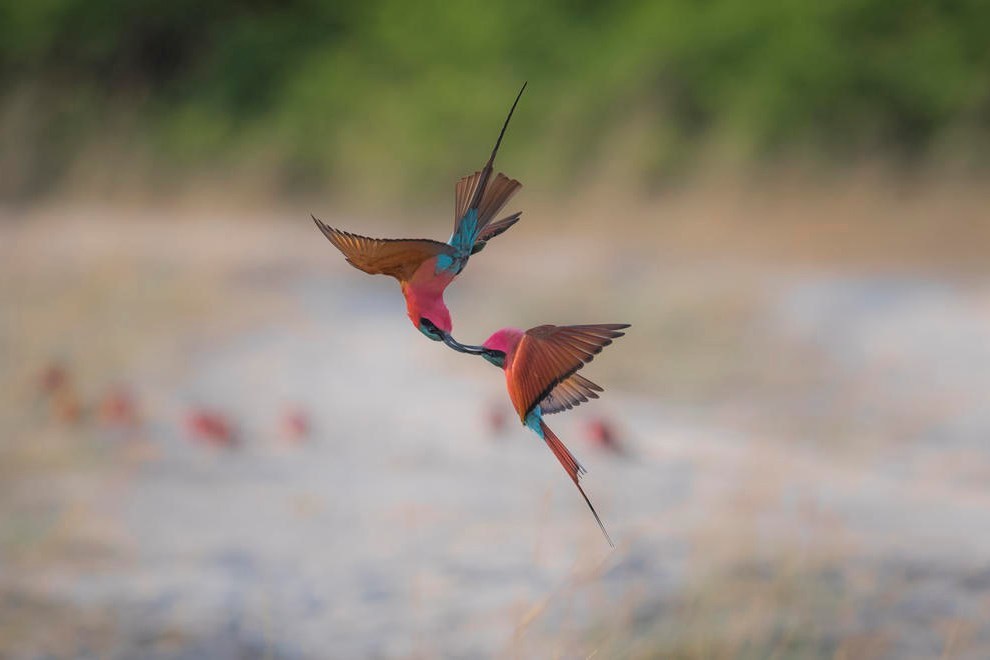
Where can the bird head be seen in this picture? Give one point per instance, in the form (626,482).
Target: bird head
(504,340)
(494,349)
(499,345)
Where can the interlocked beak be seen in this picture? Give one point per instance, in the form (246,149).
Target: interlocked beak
(462,348)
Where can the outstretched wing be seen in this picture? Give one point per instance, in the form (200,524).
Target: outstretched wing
(549,354)
(568,393)
(398,258)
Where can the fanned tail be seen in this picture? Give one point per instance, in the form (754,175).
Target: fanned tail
(574,470)
(475,225)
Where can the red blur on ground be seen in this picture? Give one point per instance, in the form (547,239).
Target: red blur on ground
(211,428)
(119,408)
(54,377)
(601,433)
(295,426)
(496,418)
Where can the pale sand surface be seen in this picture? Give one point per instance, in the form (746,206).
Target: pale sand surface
(805,473)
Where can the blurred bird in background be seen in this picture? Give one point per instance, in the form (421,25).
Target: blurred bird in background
(295,425)
(495,417)
(603,435)
(211,428)
(58,389)
(119,408)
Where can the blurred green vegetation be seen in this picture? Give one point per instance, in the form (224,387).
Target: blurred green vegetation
(385,95)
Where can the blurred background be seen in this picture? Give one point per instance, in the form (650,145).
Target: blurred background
(219,440)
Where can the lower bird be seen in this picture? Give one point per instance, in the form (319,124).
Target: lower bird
(541,366)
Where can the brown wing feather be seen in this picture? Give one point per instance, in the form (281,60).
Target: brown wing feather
(497,194)
(549,354)
(398,258)
(568,393)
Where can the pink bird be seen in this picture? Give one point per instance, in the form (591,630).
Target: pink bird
(211,428)
(66,406)
(602,434)
(541,366)
(495,418)
(56,385)
(53,378)
(295,425)
(423,267)
(118,408)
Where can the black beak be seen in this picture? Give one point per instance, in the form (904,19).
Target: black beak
(462,348)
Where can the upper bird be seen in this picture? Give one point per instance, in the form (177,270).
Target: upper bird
(541,366)
(425,267)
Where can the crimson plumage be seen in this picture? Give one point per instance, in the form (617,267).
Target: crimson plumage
(424,267)
(541,366)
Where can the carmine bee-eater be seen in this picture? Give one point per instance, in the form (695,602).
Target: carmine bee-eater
(424,267)
(541,366)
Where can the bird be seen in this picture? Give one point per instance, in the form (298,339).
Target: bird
(295,425)
(210,427)
(424,267)
(119,408)
(495,417)
(56,386)
(603,435)
(54,377)
(541,372)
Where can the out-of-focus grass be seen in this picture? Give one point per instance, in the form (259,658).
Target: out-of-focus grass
(798,607)
(113,308)
(381,99)
(814,591)
(763,610)
(78,631)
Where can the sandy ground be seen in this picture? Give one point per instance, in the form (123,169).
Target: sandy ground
(803,472)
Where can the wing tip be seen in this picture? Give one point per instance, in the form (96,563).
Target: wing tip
(615,329)
(326,229)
